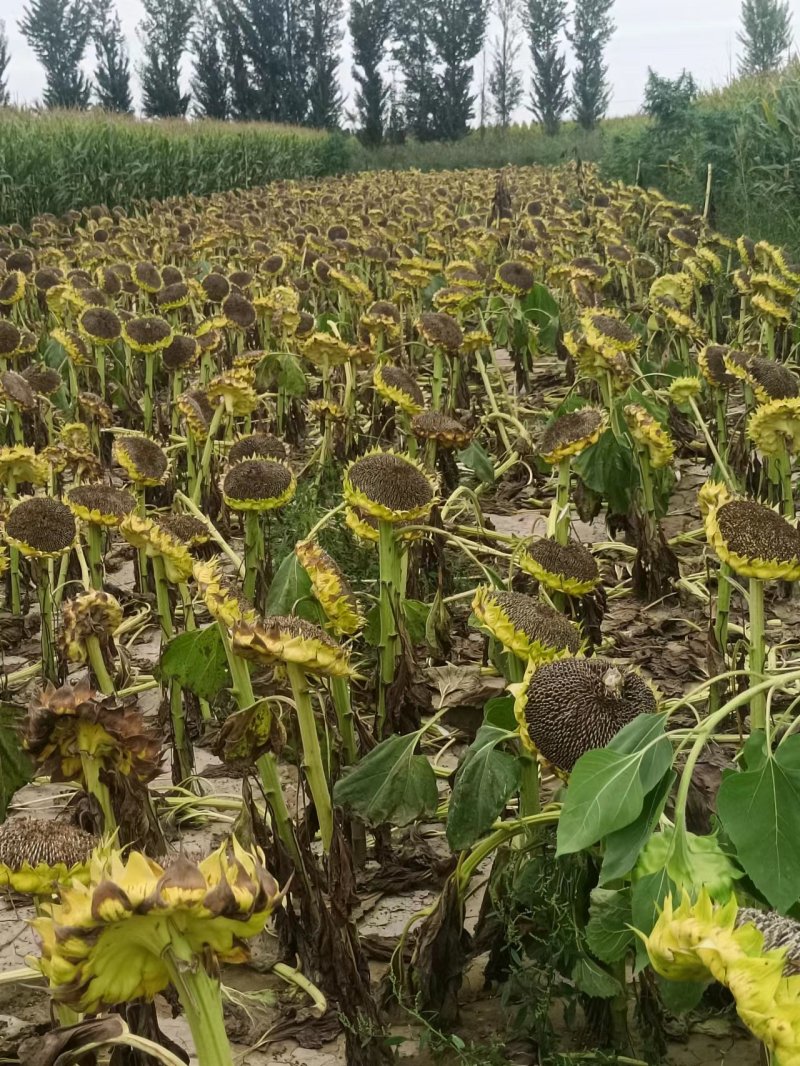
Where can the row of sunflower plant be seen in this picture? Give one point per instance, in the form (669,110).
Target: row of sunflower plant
(214,411)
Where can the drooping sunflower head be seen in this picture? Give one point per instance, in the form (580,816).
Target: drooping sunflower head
(148,536)
(239,312)
(9,337)
(570,706)
(389,486)
(770,380)
(215,287)
(774,427)
(143,460)
(448,432)
(197,411)
(650,435)
(568,568)
(19,463)
(94,408)
(257,446)
(571,433)
(514,277)
(100,505)
(146,276)
(184,528)
(236,389)
(181,352)
(754,540)
(258,485)
(221,595)
(440,330)
(529,629)
(683,389)
(44,380)
(100,325)
(330,587)
(41,527)
(396,385)
(712,494)
(605,329)
(326,348)
(90,614)
(64,725)
(147,333)
(711,360)
(38,855)
(110,941)
(15,389)
(74,345)
(381,319)
(292,640)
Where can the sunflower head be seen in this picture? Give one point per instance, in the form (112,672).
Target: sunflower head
(257,446)
(90,614)
(148,536)
(326,348)
(110,940)
(330,587)
(396,385)
(754,541)
(100,505)
(236,389)
(64,725)
(44,380)
(41,527)
(649,435)
(197,411)
(143,460)
(440,330)
(180,353)
(571,433)
(448,432)
(147,333)
(99,325)
(258,485)
(514,277)
(292,640)
(525,627)
(683,389)
(221,595)
(38,856)
(19,463)
(606,330)
(390,487)
(570,706)
(184,528)
(568,568)
(774,427)
(711,360)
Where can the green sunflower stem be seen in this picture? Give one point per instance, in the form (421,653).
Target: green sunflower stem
(724,590)
(559,521)
(162,597)
(719,462)
(98,664)
(208,449)
(99,789)
(409,441)
(437,383)
(183,746)
(141,554)
(13,559)
(345,717)
(94,538)
(757,656)
(253,552)
(147,399)
(389,607)
(44,590)
(647,484)
(201,998)
(312,753)
(784,470)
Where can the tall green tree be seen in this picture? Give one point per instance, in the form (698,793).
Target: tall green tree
(592,29)
(210,78)
(416,60)
(58,34)
(545,23)
(765,36)
(273,37)
(164,32)
(112,75)
(242,93)
(370,27)
(456,29)
(324,37)
(5,98)
(505,81)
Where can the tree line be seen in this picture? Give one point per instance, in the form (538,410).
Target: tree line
(413,61)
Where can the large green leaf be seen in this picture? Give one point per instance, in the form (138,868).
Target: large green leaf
(484,783)
(623,847)
(609,469)
(291,592)
(591,979)
(499,712)
(15,766)
(197,661)
(608,932)
(541,308)
(390,784)
(477,459)
(607,787)
(760,812)
(290,375)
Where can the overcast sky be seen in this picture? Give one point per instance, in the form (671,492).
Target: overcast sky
(697,34)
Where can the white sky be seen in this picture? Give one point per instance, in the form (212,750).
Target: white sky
(697,34)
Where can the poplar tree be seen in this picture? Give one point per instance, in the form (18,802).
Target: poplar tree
(5,98)
(765,36)
(505,81)
(593,28)
(456,29)
(370,26)
(546,20)
(164,32)
(415,58)
(112,76)
(209,81)
(324,42)
(58,34)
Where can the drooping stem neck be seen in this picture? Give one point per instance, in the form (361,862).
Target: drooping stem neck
(201,1000)
(312,753)
(757,656)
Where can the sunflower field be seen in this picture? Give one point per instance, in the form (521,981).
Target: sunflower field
(400,648)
